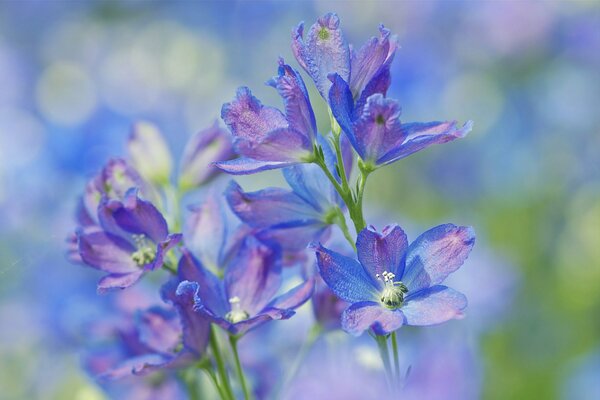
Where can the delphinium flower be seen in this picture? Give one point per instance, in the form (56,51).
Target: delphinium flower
(394,284)
(264,136)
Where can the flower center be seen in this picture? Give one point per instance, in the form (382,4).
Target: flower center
(380,120)
(392,295)
(236,314)
(323,33)
(146,251)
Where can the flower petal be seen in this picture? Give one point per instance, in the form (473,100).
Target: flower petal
(205,231)
(379,252)
(281,144)
(245,166)
(295,297)
(159,329)
(107,252)
(293,238)
(196,327)
(436,254)
(421,135)
(119,281)
(342,108)
(345,276)
(149,153)
(367,314)
(298,109)
(433,305)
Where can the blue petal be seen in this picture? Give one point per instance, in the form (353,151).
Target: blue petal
(345,276)
(342,108)
(245,166)
(379,252)
(365,315)
(433,306)
(436,254)
(281,144)
(107,252)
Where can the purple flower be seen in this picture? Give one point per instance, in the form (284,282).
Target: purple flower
(245,298)
(375,130)
(264,136)
(201,151)
(324,51)
(133,240)
(393,284)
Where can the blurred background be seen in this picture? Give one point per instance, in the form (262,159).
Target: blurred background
(74,76)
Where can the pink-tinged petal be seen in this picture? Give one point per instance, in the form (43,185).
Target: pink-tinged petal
(369,59)
(433,306)
(127,367)
(201,151)
(422,135)
(345,276)
(298,110)
(436,254)
(245,166)
(362,316)
(281,144)
(378,130)
(254,276)
(159,329)
(298,46)
(107,252)
(379,252)
(248,119)
(119,281)
(327,52)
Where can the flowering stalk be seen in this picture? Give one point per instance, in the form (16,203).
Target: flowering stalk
(233,339)
(221,369)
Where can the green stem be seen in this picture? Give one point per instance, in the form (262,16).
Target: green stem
(385,357)
(209,371)
(396,358)
(311,339)
(341,222)
(214,346)
(238,366)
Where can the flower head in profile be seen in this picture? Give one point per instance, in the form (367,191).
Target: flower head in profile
(394,284)
(265,137)
(246,296)
(132,239)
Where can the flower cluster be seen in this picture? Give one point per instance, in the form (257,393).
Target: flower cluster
(231,258)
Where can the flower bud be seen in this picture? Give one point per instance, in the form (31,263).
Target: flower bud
(149,153)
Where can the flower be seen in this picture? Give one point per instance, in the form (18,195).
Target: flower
(133,239)
(149,153)
(245,298)
(201,151)
(393,284)
(264,136)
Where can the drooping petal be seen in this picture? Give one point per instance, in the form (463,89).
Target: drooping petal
(272,207)
(254,276)
(149,153)
(433,305)
(133,216)
(326,52)
(422,135)
(379,252)
(245,166)
(367,61)
(159,329)
(196,327)
(378,129)
(342,107)
(107,252)
(345,276)
(248,119)
(205,231)
(281,144)
(210,289)
(295,297)
(119,281)
(201,151)
(298,110)
(365,315)
(436,254)
(127,367)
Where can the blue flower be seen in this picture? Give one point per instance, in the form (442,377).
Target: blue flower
(132,239)
(245,297)
(394,284)
(264,136)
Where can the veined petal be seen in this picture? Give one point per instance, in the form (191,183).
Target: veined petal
(365,315)
(107,252)
(248,119)
(378,129)
(281,144)
(342,108)
(298,110)
(270,207)
(379,252)
(327,52)
(345,276)
(422,135)
(245,166)
(433,305)
(436,254)
(254,276)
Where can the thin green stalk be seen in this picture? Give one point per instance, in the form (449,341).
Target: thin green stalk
(238,366)
(385,357)
(214,346)
(396,358)
(340,220)
(311,339)
(209,371)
